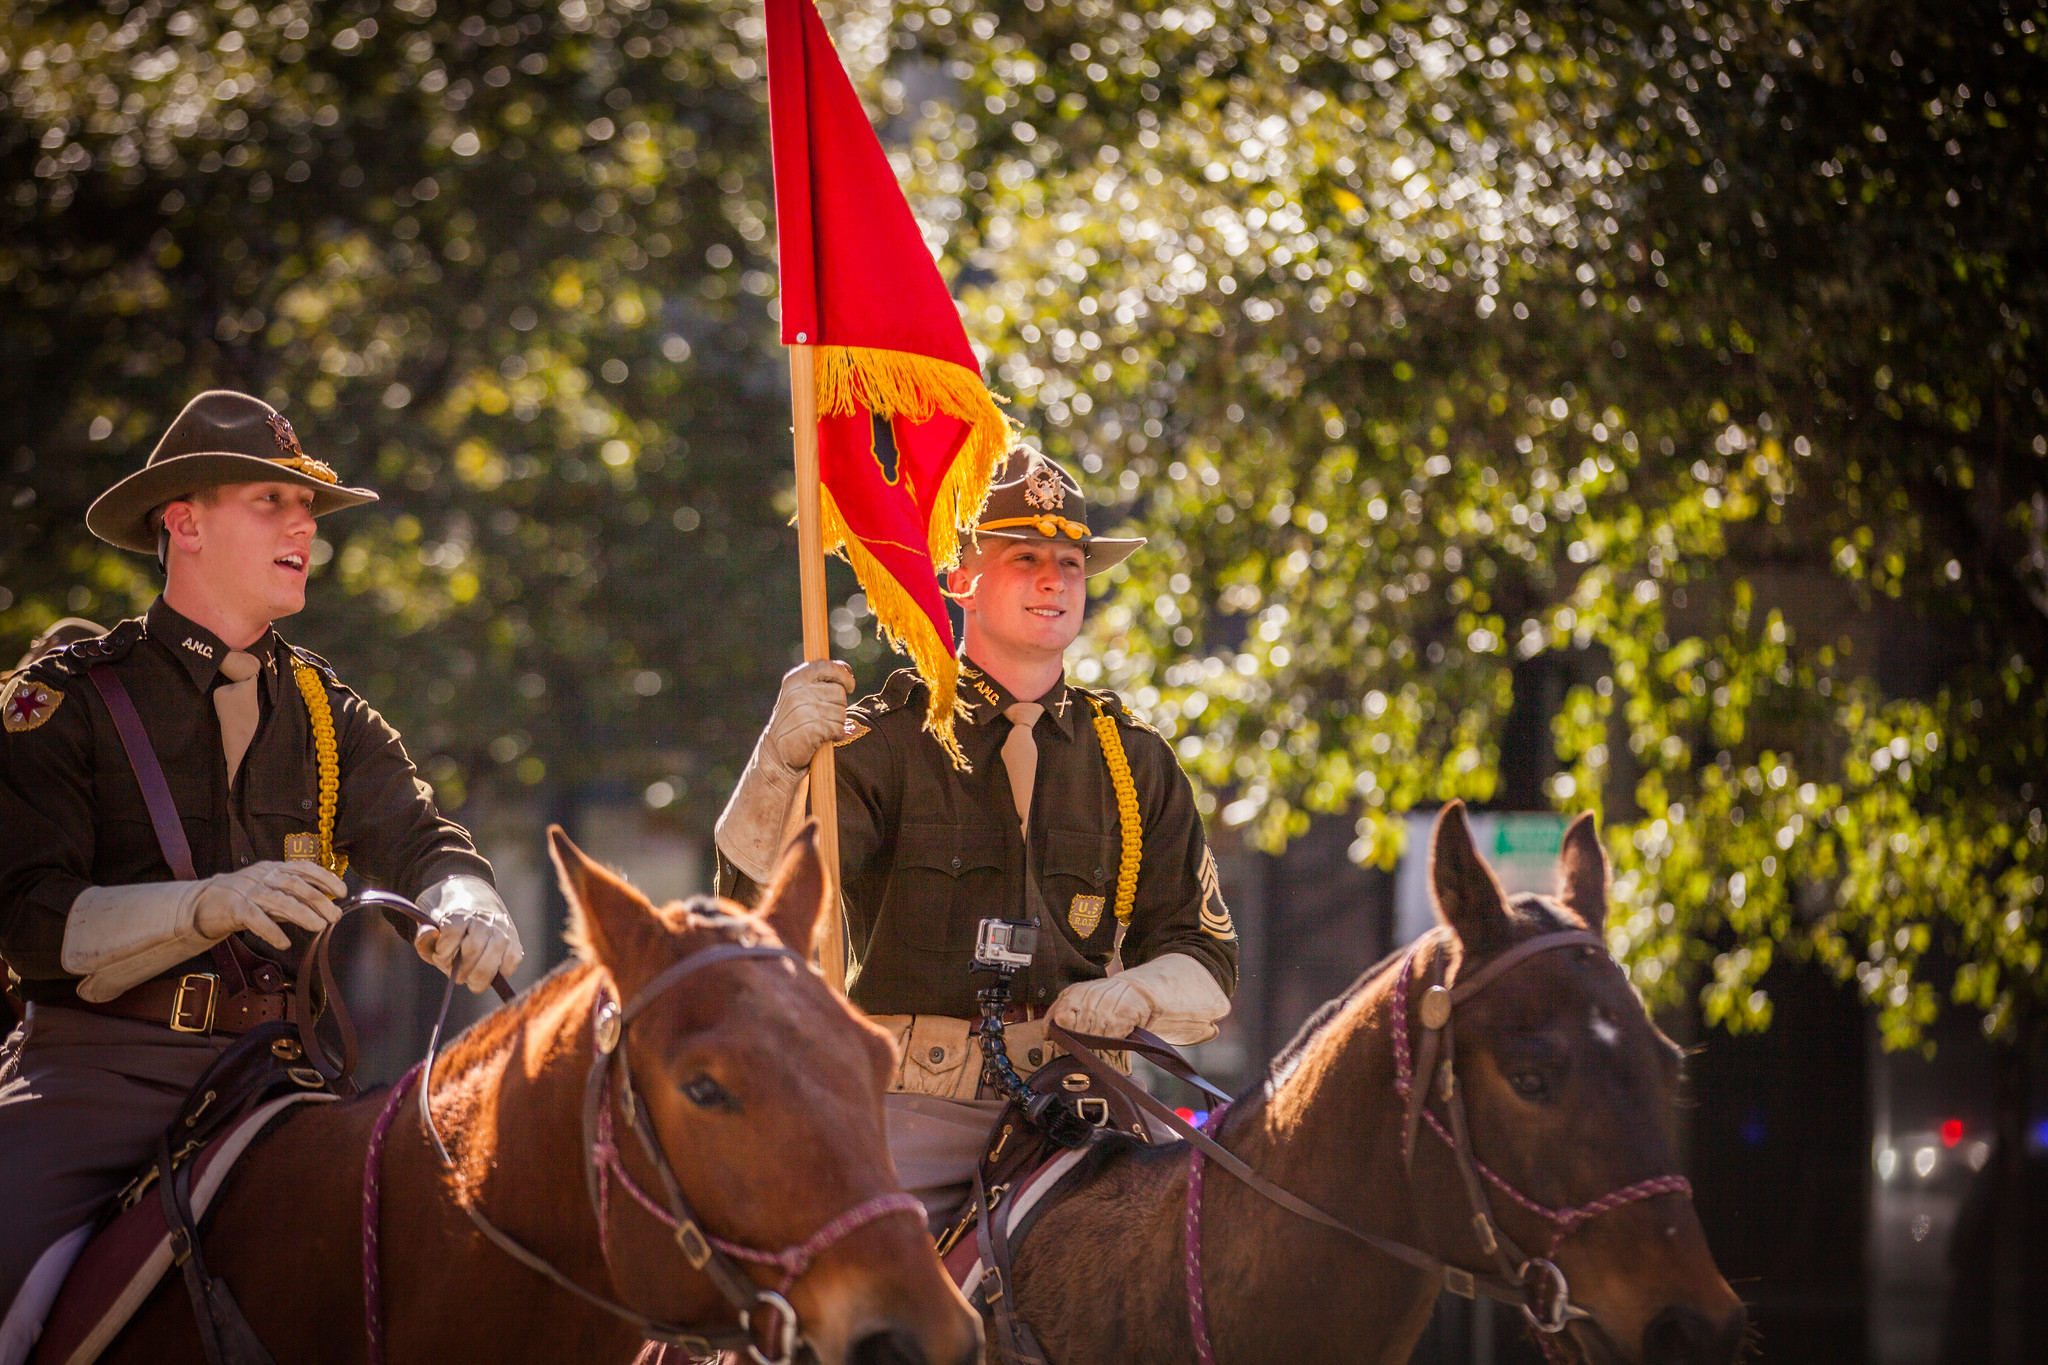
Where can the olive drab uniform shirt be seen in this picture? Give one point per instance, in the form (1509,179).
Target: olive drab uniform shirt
(926,851)
(72,813)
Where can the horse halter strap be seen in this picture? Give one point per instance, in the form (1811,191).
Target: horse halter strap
(1416,1076)
(710,1256)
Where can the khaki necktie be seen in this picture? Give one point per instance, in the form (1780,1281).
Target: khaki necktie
(236,704)
(1020,756)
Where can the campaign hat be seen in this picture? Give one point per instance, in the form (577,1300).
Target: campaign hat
(221,437)
(1033,498)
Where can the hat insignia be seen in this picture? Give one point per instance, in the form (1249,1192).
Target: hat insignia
(287,439)
(1044,489)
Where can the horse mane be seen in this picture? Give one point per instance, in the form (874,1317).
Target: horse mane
(1534,913)
(499,1029)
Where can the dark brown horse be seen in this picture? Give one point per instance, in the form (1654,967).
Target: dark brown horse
(1568,1087)
(765,1093)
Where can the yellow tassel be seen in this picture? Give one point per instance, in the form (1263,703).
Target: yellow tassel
(906,628)
(916,387)
(894,384)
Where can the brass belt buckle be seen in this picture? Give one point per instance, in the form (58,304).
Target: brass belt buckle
(188,1015)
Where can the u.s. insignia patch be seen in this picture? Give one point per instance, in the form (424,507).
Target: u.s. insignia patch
(1084,914)
(303,847)
(25,705)
(853,731)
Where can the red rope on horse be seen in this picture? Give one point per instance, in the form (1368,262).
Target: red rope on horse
(1568,1220)
(1198,1304)
(373,1206)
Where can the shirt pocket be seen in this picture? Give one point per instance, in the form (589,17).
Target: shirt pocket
(1079,884)
(282,809)
(945,881)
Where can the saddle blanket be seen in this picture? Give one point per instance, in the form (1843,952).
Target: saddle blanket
(963,1263)
(120,1267)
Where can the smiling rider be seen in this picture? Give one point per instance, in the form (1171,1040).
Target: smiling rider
(278,777)
(1075,815)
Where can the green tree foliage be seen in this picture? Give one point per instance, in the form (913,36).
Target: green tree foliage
(1676,337)
(508,262)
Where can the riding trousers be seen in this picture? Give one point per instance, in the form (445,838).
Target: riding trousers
(935,1143)
(83,1098)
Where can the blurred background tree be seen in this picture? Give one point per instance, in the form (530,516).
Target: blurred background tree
(508,263)
(1470,366)
(1604,361)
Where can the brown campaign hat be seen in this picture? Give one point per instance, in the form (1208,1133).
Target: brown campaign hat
(1034,499)
(221,437)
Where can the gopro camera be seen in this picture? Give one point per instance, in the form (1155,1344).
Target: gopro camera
(1004,945)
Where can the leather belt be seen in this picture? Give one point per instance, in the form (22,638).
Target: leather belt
(189,1003)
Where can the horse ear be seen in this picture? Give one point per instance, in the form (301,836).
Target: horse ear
(795,898)
(1468,898)
(604,909)
(1582,873)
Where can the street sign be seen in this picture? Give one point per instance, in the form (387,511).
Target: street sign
(1520,846)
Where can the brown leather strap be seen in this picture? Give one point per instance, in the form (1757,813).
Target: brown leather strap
(1459,1280)
(163,810)
(190,1004)
(1463,987)
(149,774)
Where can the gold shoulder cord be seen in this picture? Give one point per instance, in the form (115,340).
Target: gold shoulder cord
(1128,819)
(328,759)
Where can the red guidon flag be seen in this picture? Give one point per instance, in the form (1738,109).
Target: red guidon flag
(908,436)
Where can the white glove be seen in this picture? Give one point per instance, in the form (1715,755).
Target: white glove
(118,937)
(810,712)
(1173,995)
(474,939)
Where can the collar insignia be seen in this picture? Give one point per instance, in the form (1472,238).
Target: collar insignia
(1043,488)
(25,705)
(199,647)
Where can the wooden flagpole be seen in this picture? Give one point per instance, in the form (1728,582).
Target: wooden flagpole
(810,529)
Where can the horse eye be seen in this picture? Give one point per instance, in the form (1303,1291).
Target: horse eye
(1528,1084)
(706,1093)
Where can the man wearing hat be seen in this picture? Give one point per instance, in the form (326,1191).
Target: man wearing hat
(180,796)
(1074,814)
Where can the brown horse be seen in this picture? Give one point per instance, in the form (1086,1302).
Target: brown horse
(765,1093)
(1568,1087)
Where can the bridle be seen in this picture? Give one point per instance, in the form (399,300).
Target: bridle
(1533,1284)
(1546,1297)
(768,1331)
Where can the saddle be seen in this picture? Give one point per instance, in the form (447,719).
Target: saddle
(1022,1173)
(128,1256)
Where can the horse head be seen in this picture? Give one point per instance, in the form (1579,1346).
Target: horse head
(1568,1089)
(763,1090)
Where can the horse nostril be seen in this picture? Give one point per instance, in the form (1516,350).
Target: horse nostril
(1681,1336)
(888,1347)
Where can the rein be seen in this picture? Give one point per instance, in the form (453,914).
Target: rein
(768,1330)
(1535,1285)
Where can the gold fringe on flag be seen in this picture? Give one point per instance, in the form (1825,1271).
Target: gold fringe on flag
(894,384)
